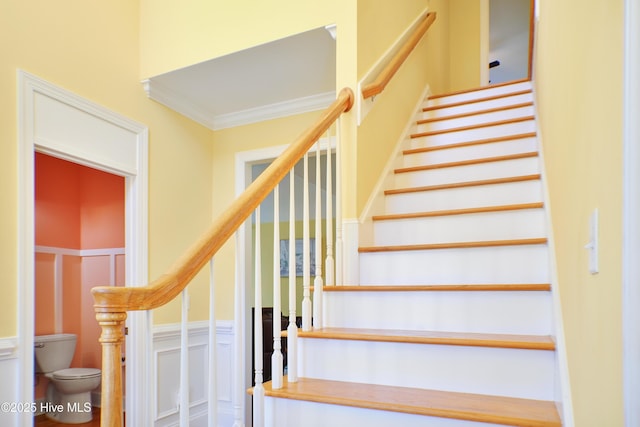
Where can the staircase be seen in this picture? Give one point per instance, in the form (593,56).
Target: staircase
(451,324)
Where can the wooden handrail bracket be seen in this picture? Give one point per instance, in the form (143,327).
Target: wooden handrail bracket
(381,81)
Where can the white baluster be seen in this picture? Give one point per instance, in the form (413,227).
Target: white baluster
(329,262)
(292,329)
(339,252)
(239,387)
(306,256)
(276,358)
(184,361)
(258,389)
(318,283)
(213,389)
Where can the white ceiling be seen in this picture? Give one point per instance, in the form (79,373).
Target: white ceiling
(284,77)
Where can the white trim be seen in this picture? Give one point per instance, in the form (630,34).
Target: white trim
(8,348)
(165,96)
(135,171)
(199,114)
(563,398)
(375,203)
(167,342)
(631,215)
(363,106)
(274,111)
(243,161)
(78,252)
(351,256)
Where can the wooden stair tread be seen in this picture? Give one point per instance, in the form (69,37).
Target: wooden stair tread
(471,127)
(464,184)
(475,113)
(528,342)
(506,287)
(469,162)
(470,143)
(465,211)
(454,245)
(476,100)
(479,88)
(463,406)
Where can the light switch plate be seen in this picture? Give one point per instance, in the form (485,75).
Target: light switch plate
(592,246)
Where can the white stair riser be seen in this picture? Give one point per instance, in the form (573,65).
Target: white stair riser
(516,312)
(474,134)
(490,91)
(492,149)
(473,107)
(465,197)
(482,370)
(504,225)
(475,172)
(297,413)
(475,119)
(507,264)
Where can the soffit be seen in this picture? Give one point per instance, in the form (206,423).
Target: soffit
(284,77)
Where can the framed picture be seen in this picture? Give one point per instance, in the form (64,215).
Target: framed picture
(284,257)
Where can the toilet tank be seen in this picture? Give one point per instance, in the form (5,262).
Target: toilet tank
(54,352)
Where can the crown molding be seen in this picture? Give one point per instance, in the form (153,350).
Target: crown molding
(165,96)
(274,111)
(168,98)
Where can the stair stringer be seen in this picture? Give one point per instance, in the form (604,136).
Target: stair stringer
(563,393)
(375,203)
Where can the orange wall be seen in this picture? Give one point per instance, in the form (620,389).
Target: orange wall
(76,208)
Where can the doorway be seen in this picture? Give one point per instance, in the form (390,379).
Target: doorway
(62,124)
(79,244)
(249,164)
(510,40)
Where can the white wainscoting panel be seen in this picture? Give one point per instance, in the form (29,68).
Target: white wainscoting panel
(166,373)
(9,376)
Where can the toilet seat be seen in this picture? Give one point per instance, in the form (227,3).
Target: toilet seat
(76,373)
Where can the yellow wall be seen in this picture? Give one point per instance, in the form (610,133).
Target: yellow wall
(380,23)
(578,74)
(226,143)
(176,35)
(382,128)
(91,49)
(468,21)
(437,48)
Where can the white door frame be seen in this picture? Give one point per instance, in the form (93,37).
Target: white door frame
(243,163)
(244,247)
(75,129)
(631,215)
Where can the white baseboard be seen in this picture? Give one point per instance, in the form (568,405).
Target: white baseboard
(9,392)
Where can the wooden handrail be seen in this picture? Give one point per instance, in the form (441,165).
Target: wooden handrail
(112,303)
(381,81)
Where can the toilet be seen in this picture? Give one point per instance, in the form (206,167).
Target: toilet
(68,398)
